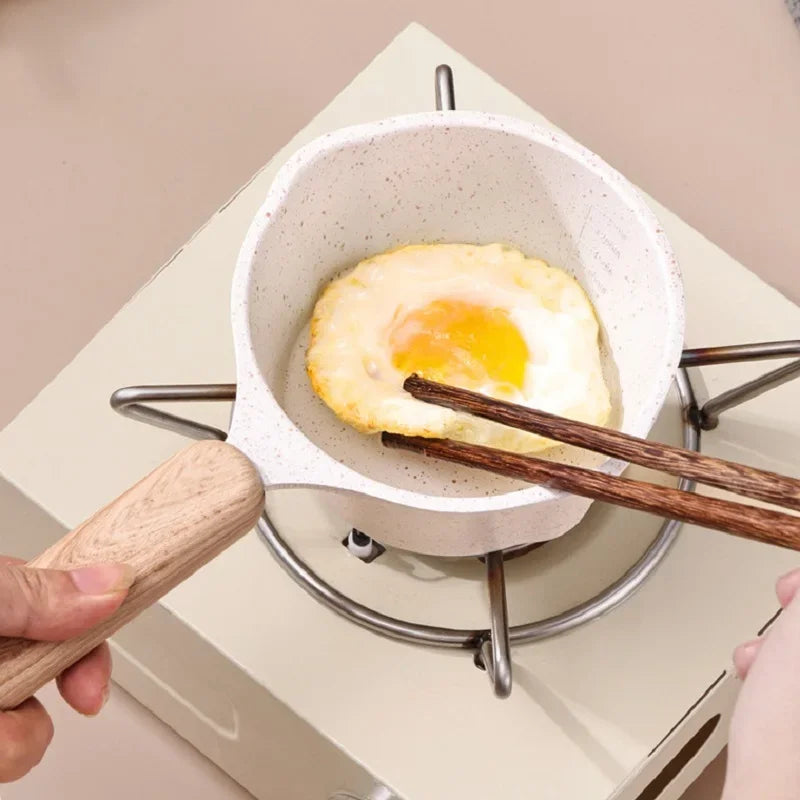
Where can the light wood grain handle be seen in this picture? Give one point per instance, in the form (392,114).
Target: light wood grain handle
(166,527)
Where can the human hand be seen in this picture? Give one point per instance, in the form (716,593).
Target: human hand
(52,605)
(765,729)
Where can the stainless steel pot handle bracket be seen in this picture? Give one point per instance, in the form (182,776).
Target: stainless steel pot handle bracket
(707,416)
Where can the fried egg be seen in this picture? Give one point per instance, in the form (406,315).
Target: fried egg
(485,318)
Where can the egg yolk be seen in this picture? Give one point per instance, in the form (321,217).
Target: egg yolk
(451,341)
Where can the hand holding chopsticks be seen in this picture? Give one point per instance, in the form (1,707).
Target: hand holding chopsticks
(750,522)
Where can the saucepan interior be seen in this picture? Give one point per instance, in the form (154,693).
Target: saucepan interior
(460,177)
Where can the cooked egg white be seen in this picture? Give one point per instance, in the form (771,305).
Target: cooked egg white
(485,318)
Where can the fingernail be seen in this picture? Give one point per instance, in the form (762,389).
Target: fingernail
(102,578)
(103,700)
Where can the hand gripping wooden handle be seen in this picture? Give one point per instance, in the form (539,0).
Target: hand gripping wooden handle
(166,527)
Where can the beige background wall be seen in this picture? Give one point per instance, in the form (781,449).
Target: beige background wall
(124,125)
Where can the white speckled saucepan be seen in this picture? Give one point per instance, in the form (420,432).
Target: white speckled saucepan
(440,177)
(435,177)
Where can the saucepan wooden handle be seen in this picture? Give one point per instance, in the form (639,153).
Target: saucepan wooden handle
(166,527)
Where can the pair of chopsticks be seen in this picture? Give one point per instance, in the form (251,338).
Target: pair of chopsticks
(750,522)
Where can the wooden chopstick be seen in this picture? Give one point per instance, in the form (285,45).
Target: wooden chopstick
(759,524)
(737,478)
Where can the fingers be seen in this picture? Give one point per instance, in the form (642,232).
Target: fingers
(744,656)
(25,734)
(85,685)
(52,605)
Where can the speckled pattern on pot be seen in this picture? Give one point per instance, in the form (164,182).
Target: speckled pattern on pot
(440,177)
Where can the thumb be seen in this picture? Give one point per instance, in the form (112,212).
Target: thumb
(51,605)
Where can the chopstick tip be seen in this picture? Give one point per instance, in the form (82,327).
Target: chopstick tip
(411,381)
